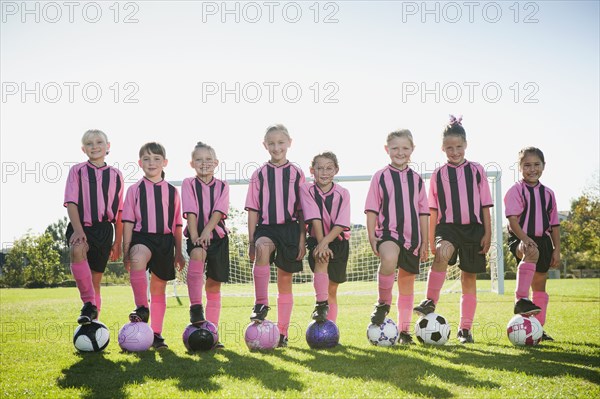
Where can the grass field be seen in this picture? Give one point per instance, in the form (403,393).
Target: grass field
(38,359)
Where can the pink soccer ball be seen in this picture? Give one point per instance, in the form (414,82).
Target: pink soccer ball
(523,330)
(136,337)
(262,336)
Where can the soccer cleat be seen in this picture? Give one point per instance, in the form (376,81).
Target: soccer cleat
(89,312)
(259,312)
(405,339)
(465,337)
(546,337)
(219,345)
(197,314)
(320,313)
(283,341)
(140,314)
(527,308)
(159,342)
(378,316)
(425,307)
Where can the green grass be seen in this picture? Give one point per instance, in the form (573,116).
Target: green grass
(38,358)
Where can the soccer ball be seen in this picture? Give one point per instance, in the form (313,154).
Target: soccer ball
(92,337)
(322,335)
(383,335)
(260,336)
(524,330)
(136,337)
(432,329)
(200,338)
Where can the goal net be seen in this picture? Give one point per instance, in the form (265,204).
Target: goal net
(362,263)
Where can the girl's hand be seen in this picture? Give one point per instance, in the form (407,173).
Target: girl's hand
(424,252)
(485,243)
(432,247)
(126,258)
(373,241)
(252,251)
(301,252)
(179,261)
(555,262)
(204,239)
(322,251)
(78,237)
(115,252)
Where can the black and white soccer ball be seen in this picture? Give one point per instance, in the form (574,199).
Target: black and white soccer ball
(432,329)
(385,334)
(92,337)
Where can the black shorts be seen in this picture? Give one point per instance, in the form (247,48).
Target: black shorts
(100,239)
(545,249)
(338,264)
(162,247)
(466,239)
(217,258)
(406,261)
(286,238)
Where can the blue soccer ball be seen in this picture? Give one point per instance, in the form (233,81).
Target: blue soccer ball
(320,335)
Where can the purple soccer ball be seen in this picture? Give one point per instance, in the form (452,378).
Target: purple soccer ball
(203,337)
(322,335)
(136,337)
(262,336)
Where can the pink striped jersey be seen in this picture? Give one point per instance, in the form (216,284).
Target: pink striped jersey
(332,208)
(459,193)
(203,200)
(274,191)
(97,192)
(398,198)
(152,207)
(535,206)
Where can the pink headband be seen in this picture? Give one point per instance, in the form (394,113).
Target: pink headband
(455,121)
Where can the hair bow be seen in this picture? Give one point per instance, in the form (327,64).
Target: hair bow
(455,121)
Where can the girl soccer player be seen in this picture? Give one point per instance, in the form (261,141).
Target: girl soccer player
(276,229)
(205,202)
(94,199)
(152,238)
(459,201)
(397,214)
(534,234)
(326,210)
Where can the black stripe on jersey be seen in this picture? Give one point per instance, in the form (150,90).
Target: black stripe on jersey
(286,193)
(171,210)
(261,181)
(319,201)
(272,207)
(531,223)
(478,177)
(454,196)
(328,206)
(143,207)
(212,206)
(200,201)
(398,201)
(93,194)
(525,210)
(115,204)
(158,210)
(105,184)
(441,197)
(296,193)
(385,204)
(80,200)
(470,198)
(545,219)
(414,224)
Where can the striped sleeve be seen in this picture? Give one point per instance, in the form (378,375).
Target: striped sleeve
(188,198)
(72,187)
(484,189)
(373,201)
(513,202)
(310,209)
(343,217)
(423,202)
(128,214)
(222,202)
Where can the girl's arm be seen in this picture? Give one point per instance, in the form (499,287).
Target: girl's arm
(486,240)
(424,224)
(555,234)
(322,249)
(179,259)
(78,233)
(432,224)
(371,223)
(302,241)
(127,233)
(515,227)
(192,226)
(115,251)
(252,221)
(210,226)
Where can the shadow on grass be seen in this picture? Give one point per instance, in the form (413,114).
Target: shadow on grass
(101,377)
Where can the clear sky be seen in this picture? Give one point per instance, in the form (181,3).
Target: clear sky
(340,75)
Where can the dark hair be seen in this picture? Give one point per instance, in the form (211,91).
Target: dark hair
(455,128)
(327,154)
(204,145)
(531,151)
(154,148)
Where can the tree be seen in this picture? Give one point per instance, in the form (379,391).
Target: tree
(580,233)
(57,232)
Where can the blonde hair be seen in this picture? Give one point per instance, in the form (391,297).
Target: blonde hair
(200,145)
(279,128)
(93,132)
(401,133)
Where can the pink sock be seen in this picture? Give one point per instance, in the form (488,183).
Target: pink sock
(98,304)
(213,307)
(385,284)
(468,304)
(139,284)
(285,302)
(333,311)
(541,298)
(195,281)
(262,274)
(405,311)
(321,284)
(83,277)
(158,307)
(525,274)
(435,282)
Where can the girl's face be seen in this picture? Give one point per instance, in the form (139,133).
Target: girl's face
(532,168)
(204,163)
(454,147)
(324,170)
(277,143)
(95,147)
(152,165)
(399,149)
